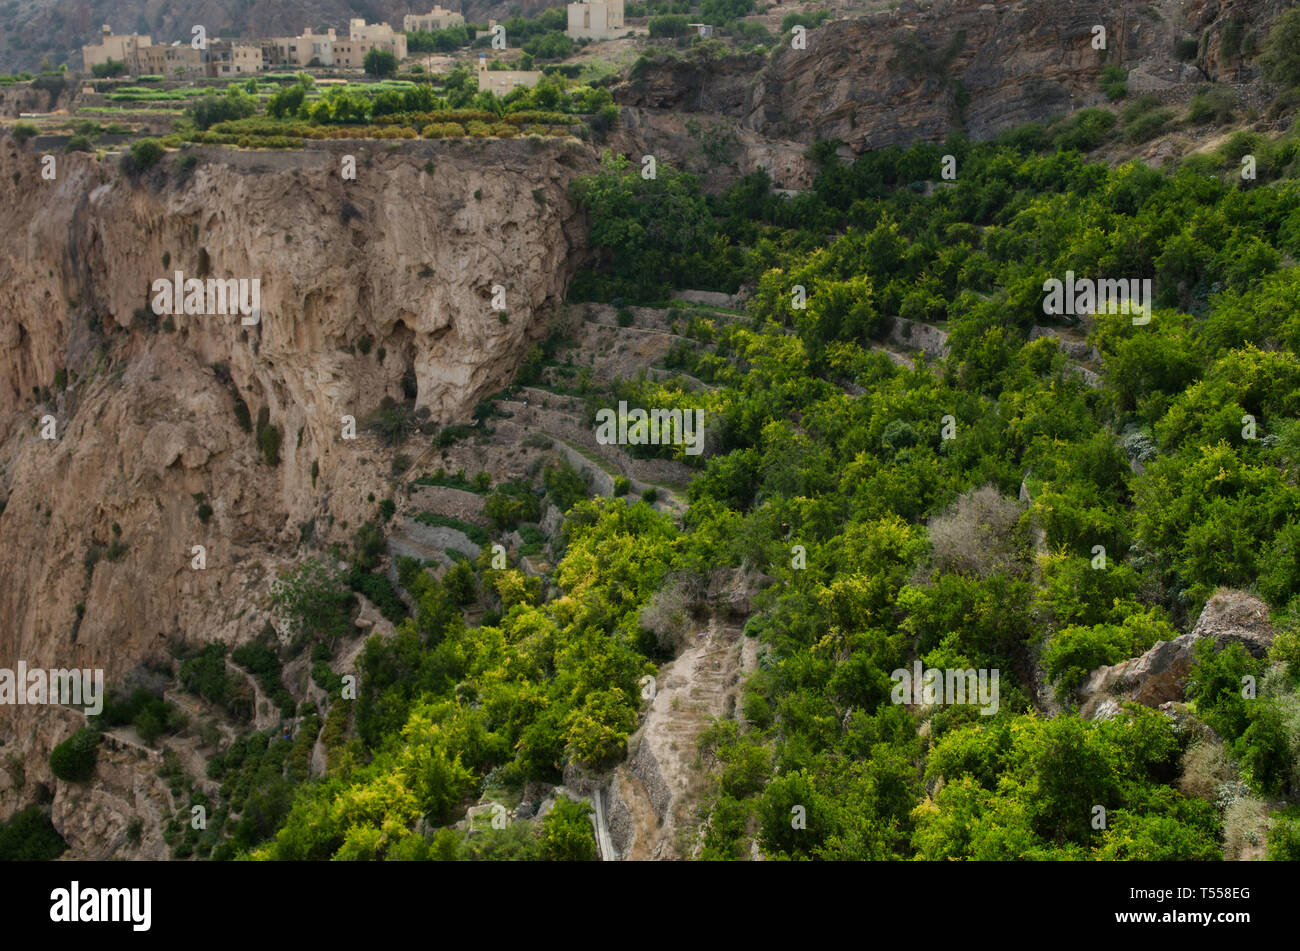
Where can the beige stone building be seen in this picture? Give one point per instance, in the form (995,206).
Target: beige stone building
(596,19)
(362,38)
(227,58)
(299,50)
(177,61)
(113,46)
(435,19)
(501,81)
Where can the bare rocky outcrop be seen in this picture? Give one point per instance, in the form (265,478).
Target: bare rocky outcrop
(402,258)
(1159,676)
(654,797)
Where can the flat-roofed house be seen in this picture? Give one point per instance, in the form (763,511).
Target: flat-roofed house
(596,19)
(228,58)
(362,38)
(300,50)
(501,81)
(435,19)
(121,47)
(178,60)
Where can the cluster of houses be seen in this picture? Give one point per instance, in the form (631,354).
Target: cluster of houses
(141,56)
(590,19)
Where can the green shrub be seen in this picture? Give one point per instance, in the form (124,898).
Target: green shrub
(209,109)
(147,152)
(670,25)
(379,590)
(443,130)
(30,837)
(1114,82)
(1284,840)
(242,416)
(392,422)
(1076,650)
(1217,103)
(472,532)
(511,503)
(269,437)
(1282,53)
(564,484)
(1147,126)
(567,834)
(263,663)
(73,760)
(204,674)
(1085,130)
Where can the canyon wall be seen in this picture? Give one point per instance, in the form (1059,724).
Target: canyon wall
(369,288)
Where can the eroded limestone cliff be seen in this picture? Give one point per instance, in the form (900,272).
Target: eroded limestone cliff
(369,288)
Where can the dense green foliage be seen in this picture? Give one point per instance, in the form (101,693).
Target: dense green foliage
(204,674)
(379,62)
(211,108)
(149,713)
(30,837)
(867,485)
(73,760)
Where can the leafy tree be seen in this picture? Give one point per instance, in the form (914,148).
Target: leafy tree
(210,108)
(147,152)
(113,67)
(1214,684)
(658,223)
(287,101)
(567,834)
(564,484)
(380,63)
(670,25)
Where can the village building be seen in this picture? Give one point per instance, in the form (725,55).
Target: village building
(228,58)
(596,20)
(175,61)
(120,47)
(435,19)
(301,50)
(362,38)
(501,81)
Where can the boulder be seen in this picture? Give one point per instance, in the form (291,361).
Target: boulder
(1236,616)
(1159,675)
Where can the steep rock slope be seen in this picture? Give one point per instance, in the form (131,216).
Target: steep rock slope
(922,71)
(369,288)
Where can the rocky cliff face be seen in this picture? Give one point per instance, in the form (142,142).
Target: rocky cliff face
(369,288)
(923,71)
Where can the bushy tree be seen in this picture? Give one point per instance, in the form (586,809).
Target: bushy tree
(567,834)
(380,63)
(73,760)
(210,108)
